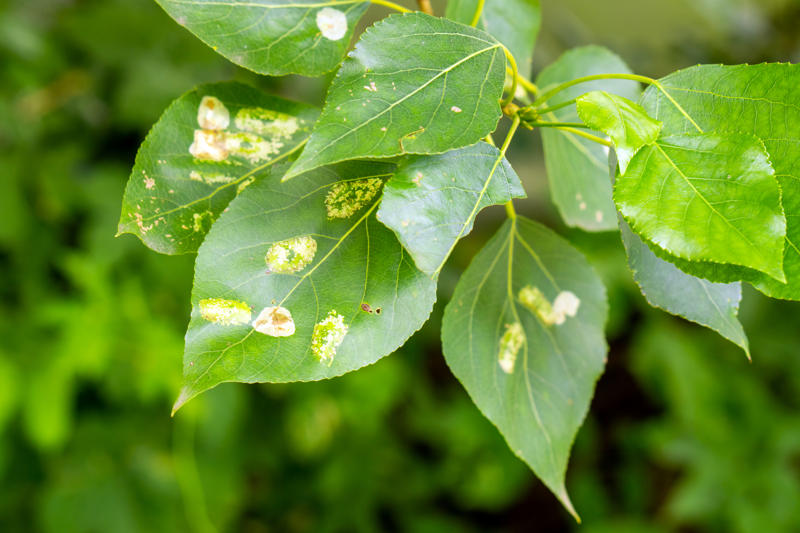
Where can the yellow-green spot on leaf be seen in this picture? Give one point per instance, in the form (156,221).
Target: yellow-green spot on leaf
(225,312)
(275,322)
(565,305)
(243,185)
(510,343)
(327,336)
(347,197)
(291,255)
(252,147)
(266,122)
(202,221)
(209,145)
(210,178)
(212,114)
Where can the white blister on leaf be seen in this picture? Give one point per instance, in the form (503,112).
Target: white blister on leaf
(332,23)
(275,322)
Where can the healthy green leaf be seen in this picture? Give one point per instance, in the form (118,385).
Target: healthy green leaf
(273,37)
(625,122)
(524,335)
(707,197)
(758,99)
(432,200)
(297,281)
(576,168)
(207,146)
(665,286)
(515,23)
(414,84)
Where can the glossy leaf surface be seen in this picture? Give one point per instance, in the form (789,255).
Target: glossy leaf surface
(339,289)
(532,376)
(431,201)
(577,169)
(207,146)
(707,197)
(273,37)
(414,84)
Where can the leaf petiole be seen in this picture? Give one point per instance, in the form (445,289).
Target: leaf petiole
(512,214)
(514,78)
(478,11)
(391,5)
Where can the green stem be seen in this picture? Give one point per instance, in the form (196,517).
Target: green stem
(478,11)
(528,85)
(635,77)
(593,138)
(391,5)
(514,78)
(558,125)
(512,214)
(550,109)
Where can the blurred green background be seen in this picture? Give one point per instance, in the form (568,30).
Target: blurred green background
(683,435)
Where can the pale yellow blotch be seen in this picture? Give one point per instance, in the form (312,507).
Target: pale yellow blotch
(149,183)
(275,322)
(455,109)
(510,344)
(332,23)
(291,255)
(201,222)
(210,177)
(209,145)
(327,336)
(245,184)
(266,122)
(212,114)
(565,305)
(598,216)
(252,147)
(225,312)
(347,197)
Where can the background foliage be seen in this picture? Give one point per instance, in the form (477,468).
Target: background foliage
(683,434)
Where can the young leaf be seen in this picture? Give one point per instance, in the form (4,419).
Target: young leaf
(524,335)
(625,122)
(273,37)
(414,84)
(707,197)
(432,200)
(665,286)
(297,281)
(576,168)
(208,145)
(758,99)
(515,23)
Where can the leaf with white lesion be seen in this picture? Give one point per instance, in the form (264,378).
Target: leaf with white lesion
(707,197)
(327,295)
(273,37)
(209,145)
(390,99)
(524,335)
(432,200)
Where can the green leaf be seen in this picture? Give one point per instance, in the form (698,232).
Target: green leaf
(208,145)
(665,286)
(758,99)
(273,37)
(626,123)
(432,200)
(707,197)
(515,23)
(329,288)
(577,168)
(524,335)
(414,84)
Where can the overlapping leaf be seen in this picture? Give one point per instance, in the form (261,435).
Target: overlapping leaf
(576,167)
(515,23)
(338,288)
(707,197)
(625,122)
(758,99)
(524,335)
(273,37)
(207,146)
(431,201)
(414,84)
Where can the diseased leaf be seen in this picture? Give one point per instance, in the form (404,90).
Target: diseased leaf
(297,281)
(665,286)
(707,197)
(432,200)
(758,99)
(515,23)
(273,37)
(414,84)
(210,144)
(626,123)
(524,335)
(576,168)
